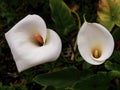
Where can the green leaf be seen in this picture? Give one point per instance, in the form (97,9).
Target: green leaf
(49,88)
(112,66)
(62,17)
(6,13)
(116,34)
(114,74)
(116,56)
(109,13)
(99,81)
(59,79)
(63,79)
(86,65)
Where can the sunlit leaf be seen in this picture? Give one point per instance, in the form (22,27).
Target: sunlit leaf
(62,17)
(109,13)
(99,81)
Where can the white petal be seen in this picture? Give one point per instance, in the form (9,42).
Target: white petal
(27,54)
(94,36)
(29,26)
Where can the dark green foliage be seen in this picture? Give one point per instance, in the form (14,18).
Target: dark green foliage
(99,81)
(67,73)
(61,15)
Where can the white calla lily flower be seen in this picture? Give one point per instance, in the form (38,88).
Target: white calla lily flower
(95,43)
(25,38)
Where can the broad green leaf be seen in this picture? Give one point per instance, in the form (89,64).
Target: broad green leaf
(109,13)
(99,81)
(112,66)
(59,79)
(63,79)
(62,17)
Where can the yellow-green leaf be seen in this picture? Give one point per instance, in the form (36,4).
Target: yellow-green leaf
(109,13)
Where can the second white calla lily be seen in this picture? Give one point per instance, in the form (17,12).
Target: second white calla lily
(25,38)
(95,43)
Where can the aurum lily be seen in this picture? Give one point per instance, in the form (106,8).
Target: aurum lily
(95,43)
(31,43)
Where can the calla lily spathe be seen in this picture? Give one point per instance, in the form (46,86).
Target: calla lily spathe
(95,43)
(25,48)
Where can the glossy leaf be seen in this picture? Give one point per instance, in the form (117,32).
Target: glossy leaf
(99,81)
(62,17)
(109,13)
